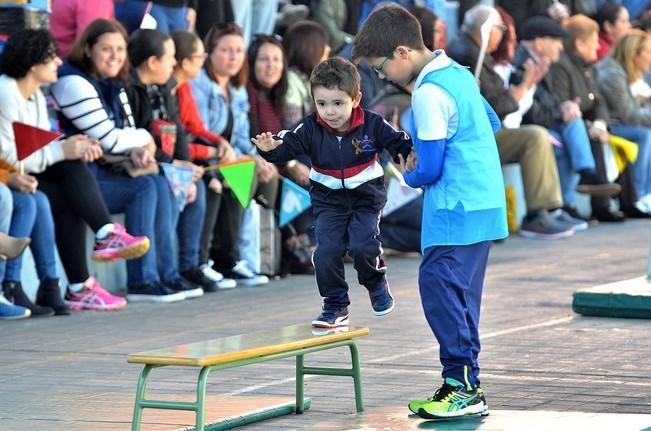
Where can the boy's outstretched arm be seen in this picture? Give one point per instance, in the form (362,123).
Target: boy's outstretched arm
(429,166)
(395,141)
(285,146)
(266,142)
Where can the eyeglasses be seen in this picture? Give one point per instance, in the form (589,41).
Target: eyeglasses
(379,69)
(201,56)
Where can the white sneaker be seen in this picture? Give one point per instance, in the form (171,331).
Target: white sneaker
(646,201)
(243,275)
(216,276)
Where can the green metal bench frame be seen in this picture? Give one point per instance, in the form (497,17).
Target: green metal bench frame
(301,370)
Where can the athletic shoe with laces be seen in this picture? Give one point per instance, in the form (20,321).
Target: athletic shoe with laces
(120,244)
(543,226)
(9,311)
(565,217)
(453,399)
(331,318)
(153,292)
(415,405)
(382,300)
(94,297)
(210,273)
(243,275)
(188,289)
(196,276)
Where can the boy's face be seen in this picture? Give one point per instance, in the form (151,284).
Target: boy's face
(395,66)
(335,106)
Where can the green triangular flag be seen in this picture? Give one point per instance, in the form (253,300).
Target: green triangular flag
(240,177)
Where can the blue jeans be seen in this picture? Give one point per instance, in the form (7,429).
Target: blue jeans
(573,157)
(169,19)
(32,217)
(189,229)
(137,198)
(642,137)
(255,16)
(6,208)
(167,217)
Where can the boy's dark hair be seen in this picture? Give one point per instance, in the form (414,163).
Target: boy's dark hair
(25,49)
(185,44)
(336,73)
(145,43)
(427,20)
(78,55)
(385,29)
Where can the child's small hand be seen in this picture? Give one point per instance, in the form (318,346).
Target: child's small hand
(409,164)
(265,141)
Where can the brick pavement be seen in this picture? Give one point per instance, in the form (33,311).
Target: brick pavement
(70,373)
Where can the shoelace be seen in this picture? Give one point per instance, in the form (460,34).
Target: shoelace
(443,393)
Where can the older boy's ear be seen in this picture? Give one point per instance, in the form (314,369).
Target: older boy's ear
(403,51)
(357,99)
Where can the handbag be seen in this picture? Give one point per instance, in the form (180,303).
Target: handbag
(122,164)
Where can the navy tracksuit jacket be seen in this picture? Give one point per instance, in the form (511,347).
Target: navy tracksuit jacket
(347,193)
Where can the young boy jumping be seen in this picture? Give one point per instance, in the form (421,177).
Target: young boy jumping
(347,190)
(458,165)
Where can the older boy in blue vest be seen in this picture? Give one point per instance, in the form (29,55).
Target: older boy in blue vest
(347,190)
(457,163)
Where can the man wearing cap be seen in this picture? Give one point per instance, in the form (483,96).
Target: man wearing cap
(542,42)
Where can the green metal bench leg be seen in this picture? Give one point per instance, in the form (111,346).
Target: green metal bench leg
(357,378)
(300,360)
(140,395)
(201,398)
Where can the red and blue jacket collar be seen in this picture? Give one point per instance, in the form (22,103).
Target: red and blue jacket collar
(357,119)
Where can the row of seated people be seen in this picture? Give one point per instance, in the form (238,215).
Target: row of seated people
(214,92)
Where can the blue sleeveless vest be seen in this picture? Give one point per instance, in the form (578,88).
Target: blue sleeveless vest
(467,204)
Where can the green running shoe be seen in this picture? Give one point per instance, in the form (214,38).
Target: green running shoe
(453,399)
(415,405)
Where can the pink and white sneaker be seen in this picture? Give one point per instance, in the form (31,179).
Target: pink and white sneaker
(120,244)
(94,297)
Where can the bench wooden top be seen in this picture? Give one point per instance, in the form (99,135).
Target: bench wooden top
(245,346)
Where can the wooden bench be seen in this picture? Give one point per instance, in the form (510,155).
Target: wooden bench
(239,350)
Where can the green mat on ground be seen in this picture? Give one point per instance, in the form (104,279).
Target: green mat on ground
(627,298)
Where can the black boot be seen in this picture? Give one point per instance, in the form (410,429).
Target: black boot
(49,295)
(13,291)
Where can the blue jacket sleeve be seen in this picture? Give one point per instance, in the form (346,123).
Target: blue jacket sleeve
(394,141)
(295,143)
(429,166)
(496,124)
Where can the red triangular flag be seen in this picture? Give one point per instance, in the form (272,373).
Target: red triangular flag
(29,138)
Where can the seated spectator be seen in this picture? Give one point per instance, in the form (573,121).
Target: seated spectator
(306,45)
(617,76)
(543,42)
(573,81)
(8,310)
(332,15)
(528,145)
(70,17)
(28,61)
(431,27)
(223,104)
(614,23)
(190,57)
(151,56)
(91,98)
(555,9)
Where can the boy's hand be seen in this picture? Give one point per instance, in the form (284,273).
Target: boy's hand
(409,164)
(266,142)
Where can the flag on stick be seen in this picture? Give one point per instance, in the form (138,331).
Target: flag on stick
(294,199)
(239,175)
(179,178)
(30,139)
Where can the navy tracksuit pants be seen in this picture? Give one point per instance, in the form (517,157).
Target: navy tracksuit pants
(451,279)
(339,230)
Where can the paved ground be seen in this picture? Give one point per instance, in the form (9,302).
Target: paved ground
(543,366)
